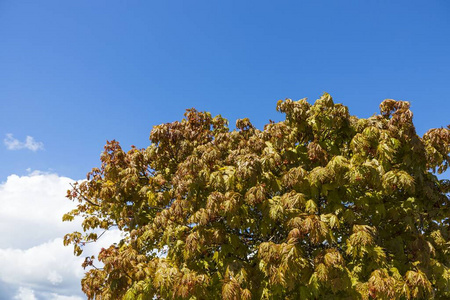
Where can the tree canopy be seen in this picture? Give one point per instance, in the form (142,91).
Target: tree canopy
(322,205)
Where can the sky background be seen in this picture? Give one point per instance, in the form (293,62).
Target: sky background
(74,74)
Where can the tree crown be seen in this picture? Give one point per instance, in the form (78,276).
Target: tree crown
(322,205)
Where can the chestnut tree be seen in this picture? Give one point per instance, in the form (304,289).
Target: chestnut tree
(322,205)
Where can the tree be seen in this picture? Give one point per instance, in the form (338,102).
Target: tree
(323,205)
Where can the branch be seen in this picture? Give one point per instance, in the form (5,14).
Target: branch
(83,197)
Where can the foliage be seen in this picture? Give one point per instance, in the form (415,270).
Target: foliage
(323,205)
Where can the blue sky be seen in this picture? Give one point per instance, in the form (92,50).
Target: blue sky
(74,74)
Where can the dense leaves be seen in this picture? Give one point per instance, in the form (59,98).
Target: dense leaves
(323,205)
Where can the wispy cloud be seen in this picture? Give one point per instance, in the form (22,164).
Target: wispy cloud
(14,144)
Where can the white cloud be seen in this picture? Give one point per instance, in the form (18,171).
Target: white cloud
(33,259)
(49,267)
(62,297)
(14,144)
(25,294)
(32,208)
(54,277)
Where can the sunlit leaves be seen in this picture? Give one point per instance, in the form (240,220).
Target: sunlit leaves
(322,205)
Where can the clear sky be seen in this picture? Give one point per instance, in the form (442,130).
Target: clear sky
(74,74)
